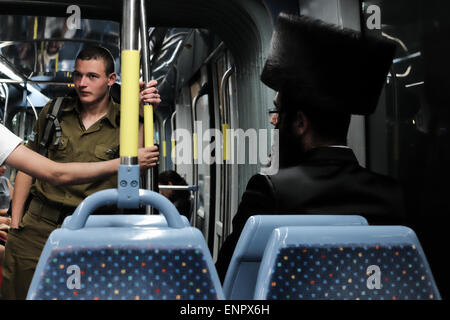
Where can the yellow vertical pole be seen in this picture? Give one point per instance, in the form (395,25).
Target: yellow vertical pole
(35,29)
(129,115)
(148,126)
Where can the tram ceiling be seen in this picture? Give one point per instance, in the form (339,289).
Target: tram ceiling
(227,19)
(173,13)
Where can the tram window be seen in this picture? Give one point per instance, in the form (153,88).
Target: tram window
(416,102)
(46,47)
(414,115)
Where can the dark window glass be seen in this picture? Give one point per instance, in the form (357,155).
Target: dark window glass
(409,136)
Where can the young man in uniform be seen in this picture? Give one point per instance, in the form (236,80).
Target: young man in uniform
(322,75)
(13,153)
(90,133)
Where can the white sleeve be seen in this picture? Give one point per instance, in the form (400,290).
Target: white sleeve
(8,142)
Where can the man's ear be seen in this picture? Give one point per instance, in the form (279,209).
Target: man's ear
(301,124)
(112,78)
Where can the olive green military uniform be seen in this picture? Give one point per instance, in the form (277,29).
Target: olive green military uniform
(50,204)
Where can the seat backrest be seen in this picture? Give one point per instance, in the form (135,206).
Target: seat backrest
(126,262)
(345,263)
(241,275)
(125,220)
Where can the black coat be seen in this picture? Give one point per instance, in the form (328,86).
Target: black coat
(328,181)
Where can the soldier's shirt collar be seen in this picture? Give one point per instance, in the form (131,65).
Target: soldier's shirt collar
(113,113)
(111,116)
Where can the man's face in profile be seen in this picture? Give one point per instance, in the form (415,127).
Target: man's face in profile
(290,147)
(274,116)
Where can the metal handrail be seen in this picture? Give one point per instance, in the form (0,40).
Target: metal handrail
(201,92)
(172,58)
(195,165)
(164,140)
(173,36)
(32,107)
(219,48)
(173,187)
(171,40)
(7,43)
(224,86)
(150,172)
(6,88)
(53,83)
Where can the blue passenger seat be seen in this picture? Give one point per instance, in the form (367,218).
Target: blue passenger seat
(164,261)
(240,279)
(345,263)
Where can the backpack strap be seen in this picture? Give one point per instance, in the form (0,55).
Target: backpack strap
(52,126)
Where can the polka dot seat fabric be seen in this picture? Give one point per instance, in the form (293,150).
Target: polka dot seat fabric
(125,264)
(127,274)
(123,258)
(336,263)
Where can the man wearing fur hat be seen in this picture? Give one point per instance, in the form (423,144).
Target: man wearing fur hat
(322,75)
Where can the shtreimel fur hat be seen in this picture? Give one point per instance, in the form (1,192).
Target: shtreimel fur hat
(331,68)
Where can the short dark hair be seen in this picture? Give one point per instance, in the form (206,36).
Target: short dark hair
(98,52)
(171,176)
(328,125)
